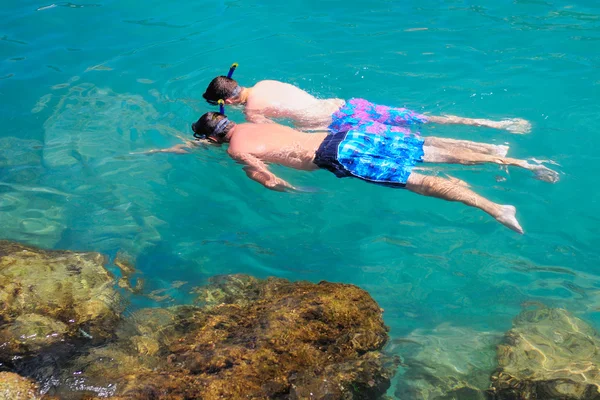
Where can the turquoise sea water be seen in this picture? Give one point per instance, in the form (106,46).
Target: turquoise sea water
(83,85)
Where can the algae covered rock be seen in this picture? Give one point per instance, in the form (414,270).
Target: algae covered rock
(548,354)
(365,378)
(47,296)
(228,289)
(15,387)
(447,363)
(30,333)
(262,339)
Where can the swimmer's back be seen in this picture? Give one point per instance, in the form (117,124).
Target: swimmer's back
(273,99)
(274,94)
(275,143)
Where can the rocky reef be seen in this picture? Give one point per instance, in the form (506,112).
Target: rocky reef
(242,338)
(249,339)
(53,298)
(548,354)
(15,387)
(263,339)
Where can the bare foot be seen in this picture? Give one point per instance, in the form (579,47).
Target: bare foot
(516,125)
(508,218)
(500,150)
(545,174)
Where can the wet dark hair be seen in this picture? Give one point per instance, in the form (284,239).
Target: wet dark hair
(212,124)
(219,88)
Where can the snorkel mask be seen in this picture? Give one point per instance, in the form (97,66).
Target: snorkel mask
(220,126)
(238,88)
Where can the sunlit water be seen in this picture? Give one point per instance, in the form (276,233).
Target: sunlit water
(83,85)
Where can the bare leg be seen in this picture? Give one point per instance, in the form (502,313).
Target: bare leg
(444,189)
(461,145)
(513,125)
(436,155)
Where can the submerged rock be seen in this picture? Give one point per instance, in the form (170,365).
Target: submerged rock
(228,289)
(548,354)
(256,339)
(15,387)
(447,363)
(47,297)
(31,333)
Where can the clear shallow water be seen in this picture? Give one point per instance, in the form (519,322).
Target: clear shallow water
(84,85)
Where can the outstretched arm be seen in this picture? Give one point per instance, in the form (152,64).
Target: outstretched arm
(257,118)
(177,149)
(259,171)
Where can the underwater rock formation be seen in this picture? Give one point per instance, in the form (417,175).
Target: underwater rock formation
(447,363)
(244,338)
(15,387)
(228,289)
(253,339)
(548,354)
(52,297)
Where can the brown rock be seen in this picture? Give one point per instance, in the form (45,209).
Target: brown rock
(264,339)
(47,296)
(15,387)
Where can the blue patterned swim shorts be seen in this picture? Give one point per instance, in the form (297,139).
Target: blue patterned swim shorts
(359,113)
(385,158)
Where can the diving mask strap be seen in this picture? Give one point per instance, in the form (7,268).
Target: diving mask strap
(220,127)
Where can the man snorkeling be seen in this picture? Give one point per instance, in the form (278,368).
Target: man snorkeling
(268,100)
(373,153)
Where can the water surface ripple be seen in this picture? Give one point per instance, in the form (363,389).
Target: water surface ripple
(83,85)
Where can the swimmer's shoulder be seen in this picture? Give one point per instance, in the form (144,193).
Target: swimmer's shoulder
(262,94)
(250,139)
(236,144)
